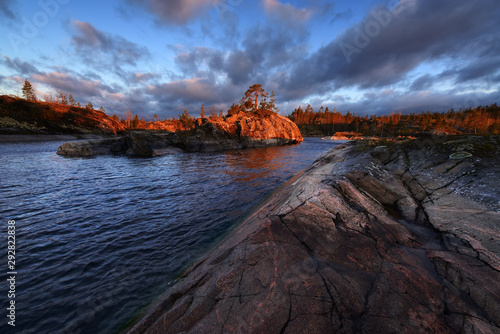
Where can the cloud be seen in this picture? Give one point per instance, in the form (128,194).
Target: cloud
(73,84)
(175,11)
(415,102)
(6,9)
(386,46)
(423,82)
(286,12)
(19,66)
(106,51)
(142,78)
(263,51)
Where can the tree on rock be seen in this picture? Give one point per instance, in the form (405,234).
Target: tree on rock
(186,120)
(62,97)
(202,112)
(28,92)
(89,106)
(254,92)
(72,101)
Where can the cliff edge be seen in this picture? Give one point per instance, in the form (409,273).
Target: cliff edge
(399,238)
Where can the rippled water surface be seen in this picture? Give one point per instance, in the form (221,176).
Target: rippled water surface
(97,239)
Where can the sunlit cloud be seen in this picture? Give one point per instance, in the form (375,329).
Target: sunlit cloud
(287,12)
(175,11)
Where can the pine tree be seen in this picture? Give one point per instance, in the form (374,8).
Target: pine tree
(28,92)
(89,106)
(101,109)
(202,113)
(62,97)
(72,101)
(272,103)
(128,118)
(135,122)
(254,92)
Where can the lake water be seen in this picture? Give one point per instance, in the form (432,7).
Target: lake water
(97,239)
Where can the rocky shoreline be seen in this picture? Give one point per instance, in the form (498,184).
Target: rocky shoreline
(238,131)
(400,238)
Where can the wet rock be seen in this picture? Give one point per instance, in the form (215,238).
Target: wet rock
(87,148)
(354,244)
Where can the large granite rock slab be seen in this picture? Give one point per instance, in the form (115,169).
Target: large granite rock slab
(397,239)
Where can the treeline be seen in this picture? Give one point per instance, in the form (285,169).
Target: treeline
(479,120)
(59,97)
(183,122)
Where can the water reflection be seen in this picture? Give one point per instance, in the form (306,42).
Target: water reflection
(101,238)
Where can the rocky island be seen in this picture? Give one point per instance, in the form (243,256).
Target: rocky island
(372,238)
(236,131)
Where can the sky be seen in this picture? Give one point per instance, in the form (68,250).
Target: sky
(165,56)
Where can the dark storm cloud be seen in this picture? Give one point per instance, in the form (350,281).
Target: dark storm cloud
(487,64)
(263,51)
(6,9)
(240,67)
(174,11)
(190,92)
(106,51)
(19,66)
(423,82)
(385,46)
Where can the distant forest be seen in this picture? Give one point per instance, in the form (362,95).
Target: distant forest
(479,120)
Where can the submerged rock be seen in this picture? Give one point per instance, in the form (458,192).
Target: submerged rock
(401,242)
(241,130)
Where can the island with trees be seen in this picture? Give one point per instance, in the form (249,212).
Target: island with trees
(252,123)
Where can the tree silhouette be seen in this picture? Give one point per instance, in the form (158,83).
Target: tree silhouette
(128,117)
(72,101)
(135,122)
(272,103)
(186,119)
(202,112)
(28,92)
(62,97)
